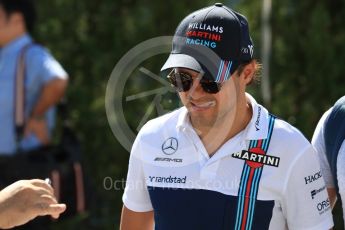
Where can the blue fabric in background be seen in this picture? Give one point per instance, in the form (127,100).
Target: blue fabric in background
(334,135)
(41,68)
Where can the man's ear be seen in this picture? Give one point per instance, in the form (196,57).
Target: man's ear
(248,72)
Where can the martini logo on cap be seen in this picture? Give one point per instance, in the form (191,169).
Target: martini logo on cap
(206,35)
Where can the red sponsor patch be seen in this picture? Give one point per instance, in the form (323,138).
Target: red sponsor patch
(253,164)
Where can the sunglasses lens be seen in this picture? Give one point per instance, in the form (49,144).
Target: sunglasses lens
(181,81)
(211,87)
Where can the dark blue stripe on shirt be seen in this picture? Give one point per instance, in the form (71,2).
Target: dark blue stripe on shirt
(198,209)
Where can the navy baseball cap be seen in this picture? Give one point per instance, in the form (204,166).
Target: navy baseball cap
(214,40)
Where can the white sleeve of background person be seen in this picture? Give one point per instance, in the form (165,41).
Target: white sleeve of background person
(306,204)
(318,142)
(136,196)
(47,67)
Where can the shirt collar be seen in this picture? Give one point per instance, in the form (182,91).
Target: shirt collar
(183,121)
(256,129)
(16,44)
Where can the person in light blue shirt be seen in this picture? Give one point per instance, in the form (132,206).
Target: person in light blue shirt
(45,80)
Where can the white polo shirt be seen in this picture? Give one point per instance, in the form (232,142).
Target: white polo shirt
(171,173)
(318,142)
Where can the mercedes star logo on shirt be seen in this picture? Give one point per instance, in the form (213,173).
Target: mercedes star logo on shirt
(170,146)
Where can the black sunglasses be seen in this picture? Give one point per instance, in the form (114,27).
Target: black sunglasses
(182,82)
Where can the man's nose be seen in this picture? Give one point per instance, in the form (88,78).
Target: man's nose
(196,91)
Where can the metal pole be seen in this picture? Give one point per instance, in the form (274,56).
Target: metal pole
(266,39)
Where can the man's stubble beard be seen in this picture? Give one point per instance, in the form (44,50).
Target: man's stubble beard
(212,121)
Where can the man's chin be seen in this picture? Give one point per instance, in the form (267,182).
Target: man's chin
(202,120)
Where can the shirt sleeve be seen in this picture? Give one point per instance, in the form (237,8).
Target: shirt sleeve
(136,196)
(46,65)
(306,204)
(318,142)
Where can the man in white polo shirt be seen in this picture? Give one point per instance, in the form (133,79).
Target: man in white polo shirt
(329,142)
(222,161)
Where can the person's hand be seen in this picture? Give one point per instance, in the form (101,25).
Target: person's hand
(39,127)
(24,200)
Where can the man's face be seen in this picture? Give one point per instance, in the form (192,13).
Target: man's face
(6,26)
(204,108)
